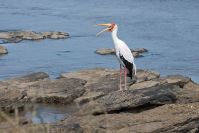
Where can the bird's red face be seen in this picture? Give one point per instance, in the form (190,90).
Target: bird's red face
(110,28)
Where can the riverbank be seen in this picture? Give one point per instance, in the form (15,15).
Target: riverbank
(151,104)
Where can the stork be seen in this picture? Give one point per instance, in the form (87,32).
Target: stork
(123,53)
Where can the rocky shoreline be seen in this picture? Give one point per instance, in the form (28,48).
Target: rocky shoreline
(151,104)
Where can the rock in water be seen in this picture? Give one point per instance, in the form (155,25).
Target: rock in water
(56,35)
(17,36)
(3,50)
(108,51)
(105,51)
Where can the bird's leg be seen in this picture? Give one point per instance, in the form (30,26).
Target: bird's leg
(120,77)
(125,77)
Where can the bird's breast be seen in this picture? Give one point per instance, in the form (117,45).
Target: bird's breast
(117,52)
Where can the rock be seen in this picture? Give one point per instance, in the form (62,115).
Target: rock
(107,80)
(152,104)
(154,80)
(147,84)
(144,75)
(3,50)
(108,51)
(12,91)
(195,130)
(55,35)
(128,111)
(98,80)
(189,93)
(31,77)
(129,100)
(42,128)
(37,87)
(139,50)
(17,36)
(105,51)
(89,97)
(70,128)
(10,98)
(90,75)
(62,91)
(167,118)
(177,79)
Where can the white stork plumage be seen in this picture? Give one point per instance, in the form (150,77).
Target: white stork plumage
(123,53)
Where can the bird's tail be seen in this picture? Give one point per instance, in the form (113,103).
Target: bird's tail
(131,72)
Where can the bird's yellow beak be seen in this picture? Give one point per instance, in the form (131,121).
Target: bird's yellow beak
(104,30)
(108,25)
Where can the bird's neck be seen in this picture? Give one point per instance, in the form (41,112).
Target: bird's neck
(114,36)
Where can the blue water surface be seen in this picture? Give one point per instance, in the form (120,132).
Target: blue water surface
(169,29)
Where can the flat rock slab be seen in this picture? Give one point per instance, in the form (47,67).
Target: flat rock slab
(168,118)
(108,51)
(151,81)
(128,100)
(17,36)
(62,91)
(147,84)
(100,77)
(177,79)
(3,50)
(90,75)
(37,87)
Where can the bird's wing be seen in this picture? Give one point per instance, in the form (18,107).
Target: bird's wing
(125,53)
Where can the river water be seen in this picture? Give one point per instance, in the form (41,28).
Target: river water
(169,29)
(46,113)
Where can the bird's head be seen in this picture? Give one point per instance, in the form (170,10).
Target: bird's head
(110,27)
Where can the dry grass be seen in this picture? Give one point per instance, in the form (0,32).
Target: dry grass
(10,124)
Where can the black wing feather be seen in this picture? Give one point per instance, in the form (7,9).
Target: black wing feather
(128,65)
